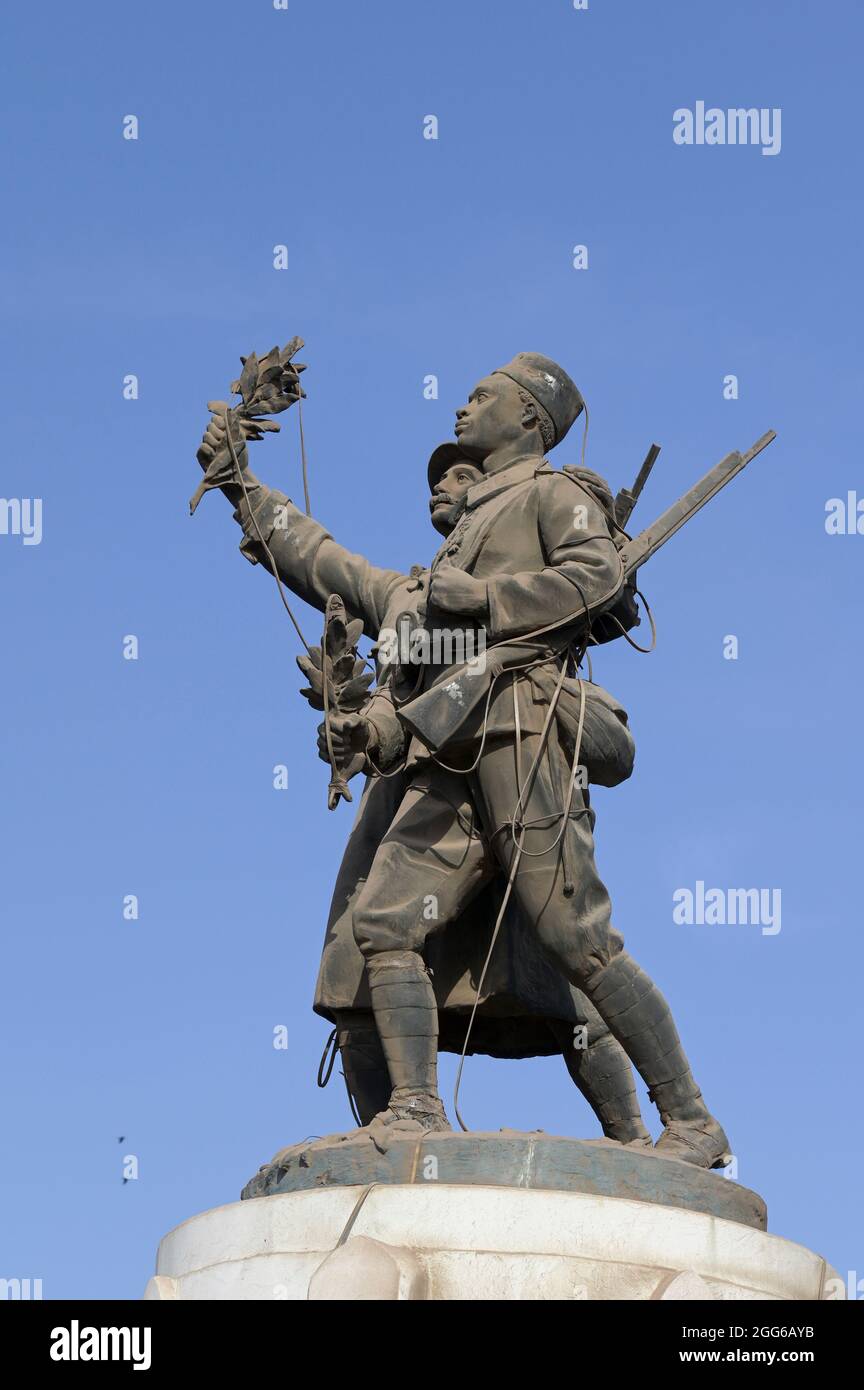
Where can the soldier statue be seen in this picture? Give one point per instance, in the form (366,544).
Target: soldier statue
(473,803)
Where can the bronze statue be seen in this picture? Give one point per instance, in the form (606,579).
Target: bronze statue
(473,766)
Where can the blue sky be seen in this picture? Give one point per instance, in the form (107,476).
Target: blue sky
(409,257)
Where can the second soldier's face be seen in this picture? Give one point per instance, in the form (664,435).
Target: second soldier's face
(492,417)
(449,492)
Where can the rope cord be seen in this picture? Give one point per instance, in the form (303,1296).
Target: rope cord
(524,794)
(325,696)
(511,879)
(264,545)
(303,449)
(625,634)
(328,1057)
(354,1113)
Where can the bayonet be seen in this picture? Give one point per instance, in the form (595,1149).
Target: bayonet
(629,496)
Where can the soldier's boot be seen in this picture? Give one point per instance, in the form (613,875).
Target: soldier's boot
(363,1062)
(604,1076)
(406,1016)
(639,1017)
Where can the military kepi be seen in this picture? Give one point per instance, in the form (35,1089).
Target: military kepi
(550,387)
(443,458)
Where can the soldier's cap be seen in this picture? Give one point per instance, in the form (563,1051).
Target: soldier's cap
(549,385)
(443,458)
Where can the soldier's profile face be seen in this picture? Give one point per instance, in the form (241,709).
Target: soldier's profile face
(492,417)
(449,491)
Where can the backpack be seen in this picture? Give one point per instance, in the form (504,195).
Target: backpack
(624,612)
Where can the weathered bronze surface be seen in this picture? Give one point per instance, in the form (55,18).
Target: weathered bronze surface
(538,1162)
(468,886)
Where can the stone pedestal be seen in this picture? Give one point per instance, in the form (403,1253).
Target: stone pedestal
(503,1216)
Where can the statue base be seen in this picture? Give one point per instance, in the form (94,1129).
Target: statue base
(484,1216)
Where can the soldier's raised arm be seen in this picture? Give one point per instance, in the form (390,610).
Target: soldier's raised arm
(307,558)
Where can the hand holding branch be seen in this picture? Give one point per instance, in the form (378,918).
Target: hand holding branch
(266,387)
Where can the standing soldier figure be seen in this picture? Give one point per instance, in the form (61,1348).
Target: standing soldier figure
(531,563)
(519,1005)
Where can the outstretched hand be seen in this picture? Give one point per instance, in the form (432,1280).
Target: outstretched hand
(214,444)
(215,457)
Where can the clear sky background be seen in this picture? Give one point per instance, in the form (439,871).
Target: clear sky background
(408,257)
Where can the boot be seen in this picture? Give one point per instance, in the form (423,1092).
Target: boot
(363,1062)
(406,1016)
(605,1078)
(639,1017)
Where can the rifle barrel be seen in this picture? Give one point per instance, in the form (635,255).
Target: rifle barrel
(649,541)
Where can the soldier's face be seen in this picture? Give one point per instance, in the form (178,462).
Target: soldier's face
(449,491)
(492,417)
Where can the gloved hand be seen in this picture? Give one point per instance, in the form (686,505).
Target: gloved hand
(215,457)
(351,736)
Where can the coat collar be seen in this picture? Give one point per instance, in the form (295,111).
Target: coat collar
(519,471)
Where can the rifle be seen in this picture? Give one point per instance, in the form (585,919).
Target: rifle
(649,541)
(438,714)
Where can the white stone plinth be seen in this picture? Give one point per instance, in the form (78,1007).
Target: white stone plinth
(440,1241)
